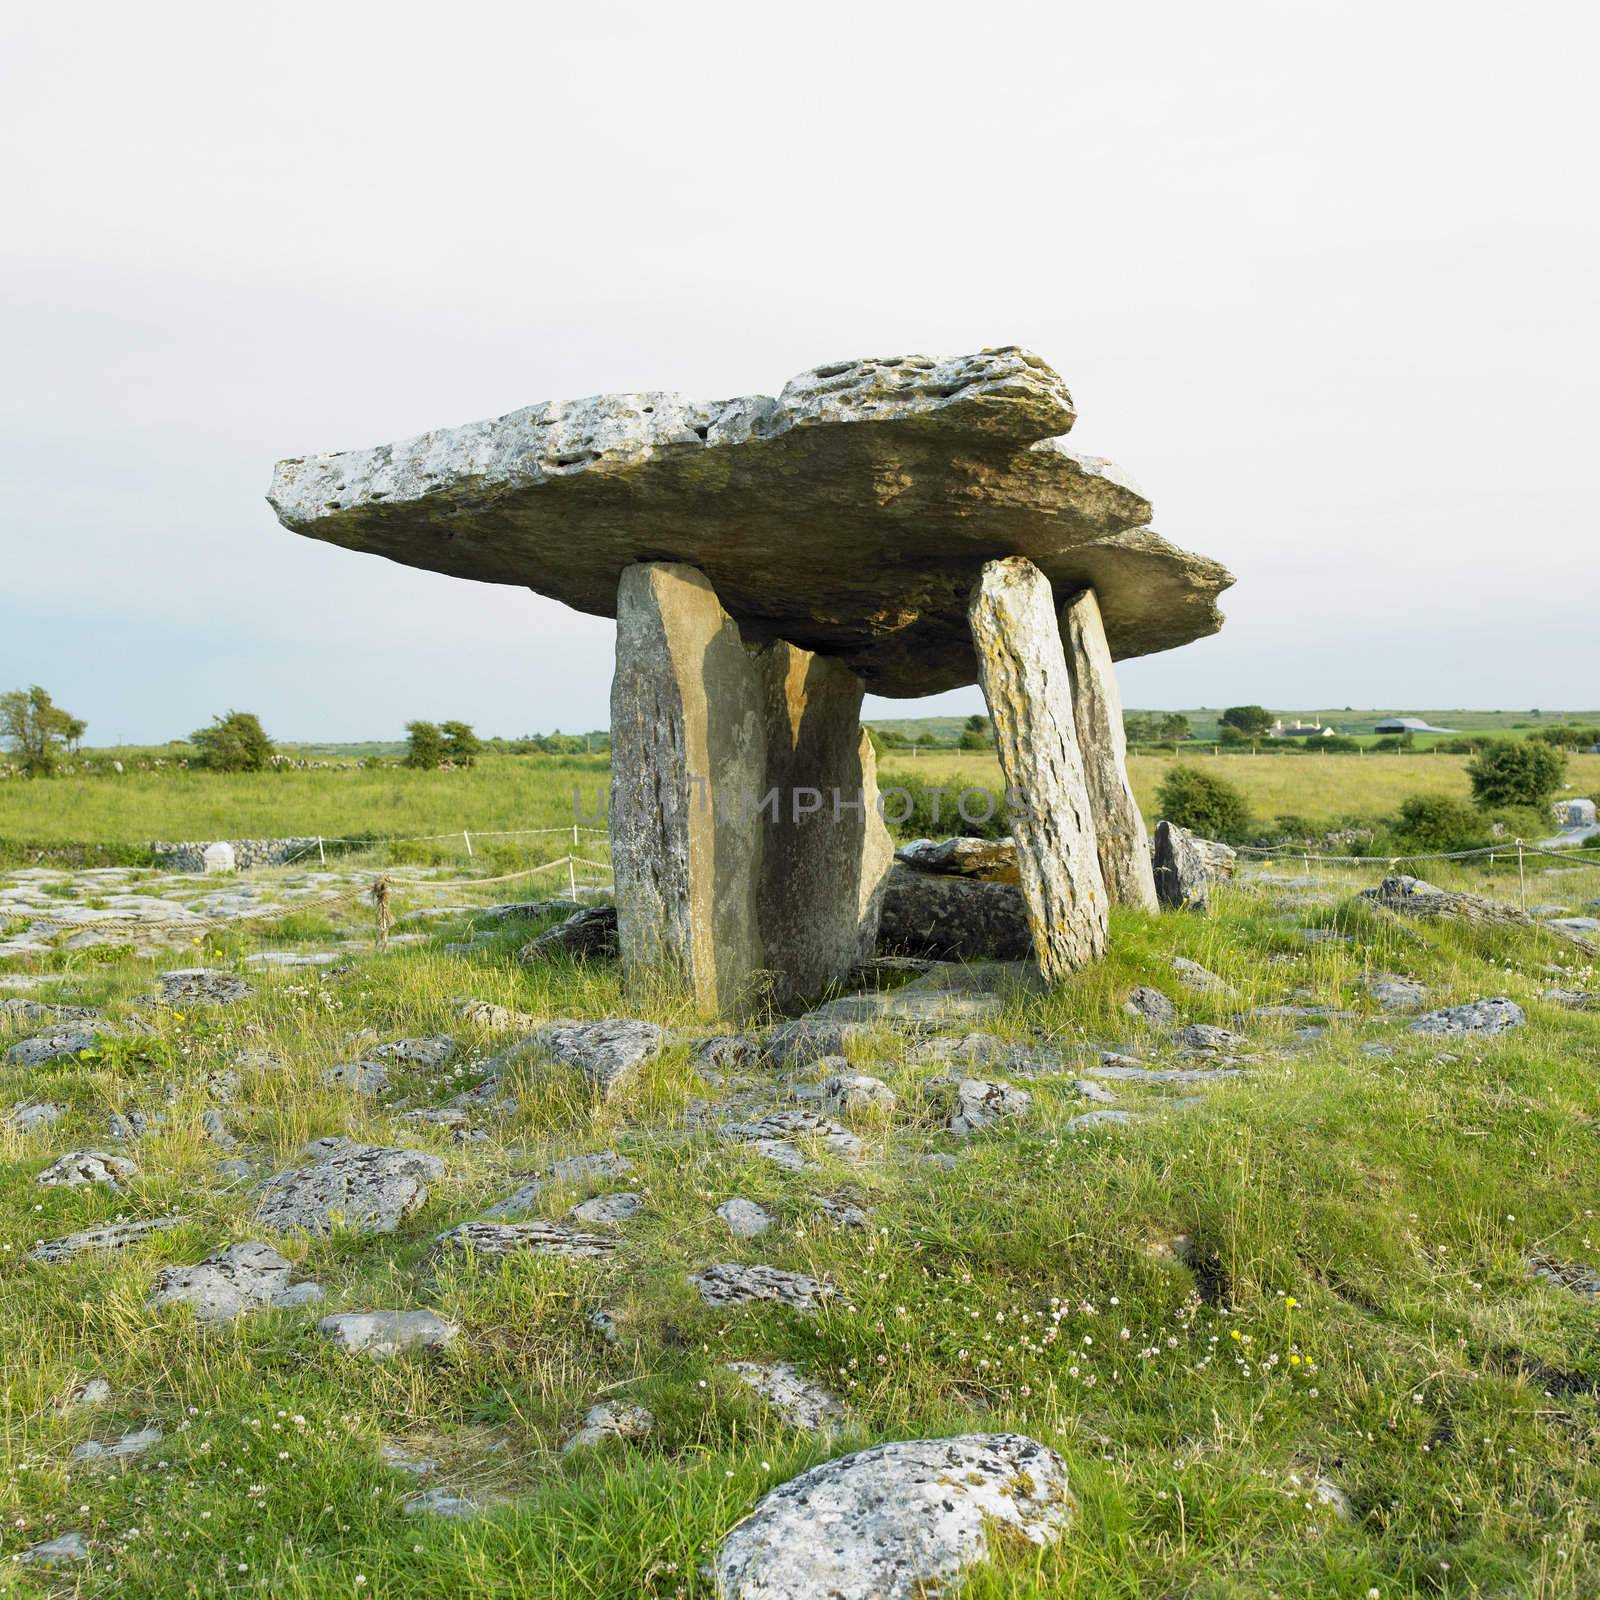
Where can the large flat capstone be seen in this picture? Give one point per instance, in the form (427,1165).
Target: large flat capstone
(850,515)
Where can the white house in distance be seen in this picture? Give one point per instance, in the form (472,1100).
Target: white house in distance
(1409,725)
(1298,730)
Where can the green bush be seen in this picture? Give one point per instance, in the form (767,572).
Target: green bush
(234,743)
(1439,822)
(935,810)
(1205,805)
(1516,772)
(424,745)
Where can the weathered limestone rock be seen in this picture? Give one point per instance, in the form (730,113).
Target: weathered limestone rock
(579,1169)
(688,760)
(891,1522)
(1481,1016)
(857,1092)
(800,1402)
(201,986)
(1120,834)
(1186,866)
(380,1334)
(1025,679)
(608,1208)
(952,917)
(117,1451)
(492,1239)
(57,1044)
(110,1236)
(982,1102)
(745,1219)
(848,515)
(355,1187)
(1412,897)
(243,1277)
(825,855)
(729,1284)
(991,860)
(1150,1006)
(612,1419)
(608,1052)
(590,932)
(78,1168)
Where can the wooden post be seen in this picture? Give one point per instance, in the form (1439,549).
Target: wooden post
(1023,670)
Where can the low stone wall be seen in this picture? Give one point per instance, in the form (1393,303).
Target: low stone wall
(190,855)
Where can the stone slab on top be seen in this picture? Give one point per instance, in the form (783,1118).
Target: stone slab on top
(851,515)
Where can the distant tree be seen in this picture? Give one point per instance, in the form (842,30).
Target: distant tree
(1516,772)
(977,724)
(1439,822)
(1204,804)
(461,744)
(1174,725)
(37,729)
(424,745)
(234,743)
(1251,721)
(1139,727)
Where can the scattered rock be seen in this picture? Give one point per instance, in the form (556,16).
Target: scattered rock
(587,1168)
(892,1522)
(112,1236)
(359,1077)
(608,1208)
(1573,999)
(493,1018)
(215,1128)
(745,1219)
(1395,994)
(728,1052)
(398,1459)
(1150,1006)
(35,1116)
(590,934)
(857,1092)
(801,1403)
(57,1552)
(952,918)
(842,1213)
(199,986)
(126,1448)
(356,1187)
(88,1394)
(615,1419)
(79,1167)
(729,1284)
(512,1238)
(992,860)
(380,1334)
(1579,1279)
(1327,1493)
(243,1277)
(607,1052)
(440,1503)
(1200,979)
(1481,1016)
(57,1044)
(1088,1089)
(436,1051)
(981,1102)
(1098,1119)
(1188,868)
(781,1126)
(1205,1039)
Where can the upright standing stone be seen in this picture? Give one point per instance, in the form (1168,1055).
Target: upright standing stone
(1023,670)
(1097,710)
(826,852)
(688,756)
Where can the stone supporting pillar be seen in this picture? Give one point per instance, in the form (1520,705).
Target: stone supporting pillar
(1120,834)
(1023,671)
(748,849)
(826,853)
(687,732)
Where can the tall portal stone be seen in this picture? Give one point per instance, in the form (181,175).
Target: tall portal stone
(1023,670)
(687,732)
(1120,835)
(826,850)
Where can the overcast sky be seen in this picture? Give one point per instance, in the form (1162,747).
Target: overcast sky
(1321,277)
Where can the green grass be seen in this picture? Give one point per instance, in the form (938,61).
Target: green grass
(1360,1306)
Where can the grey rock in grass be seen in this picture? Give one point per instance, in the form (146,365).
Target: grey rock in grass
(606,1208)
(728,1052)
(1203,1038)
(990,860)
(1122,1071)
(590,1167)
(111,1236)
(356,1187)
(515,1238)
(783,1125)
(841,1213)
(1573,999)
(129,1125)
(1188,868)
(952,917)
(607,1052)
(196,986)
(730,1284)
(20,1013)
(244,1277)
(1479,1017)
(61,1551)
(398,1459)
(1395,994)
(359,1077)
(895,1521)
(1580,1279)
(1200,979)
(1088,1089)
(215,1128)
(858,1092)
(127,1448)
(1098,1119)
(589,934)
(381,1334)
(613,1419)
(437,1050)
(1327,1493)
(745,1219)
(57,1044)
(800,1402)
(982,1102)
(35,1116)
(78,1168)
(85,1396)
(441,1502)
(1150,1006)
(492,1018)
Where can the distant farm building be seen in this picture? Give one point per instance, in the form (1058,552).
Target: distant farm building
(1409,725)
(1299,730)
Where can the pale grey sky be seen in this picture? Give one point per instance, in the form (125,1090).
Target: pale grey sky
(1321,276)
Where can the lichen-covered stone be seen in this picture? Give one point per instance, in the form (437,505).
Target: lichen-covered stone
(952,916)
(243,1277)
(380,1334)
(731,1284)
(849,515)
(357,1188)
(1187,867)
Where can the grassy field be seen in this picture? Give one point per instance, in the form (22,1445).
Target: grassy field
(520,792)
(1354,1305)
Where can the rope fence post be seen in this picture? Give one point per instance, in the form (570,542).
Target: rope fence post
(322,855)
(468,837)
(1522,878)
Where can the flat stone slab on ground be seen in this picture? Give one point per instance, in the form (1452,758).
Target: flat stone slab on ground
(357,1187)
(78,1168)
(800,1402)
(1480,1016)
(730,1284)
(513,1238)
(745,1219)
(244,1277)
(57,1044)
(982,1102)
(201,986)
(895,1521)
(612,1419)
(607,1052)
(127,1448)
(380,1334)
(111,1236)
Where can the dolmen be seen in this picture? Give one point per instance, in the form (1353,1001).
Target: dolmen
(902,525)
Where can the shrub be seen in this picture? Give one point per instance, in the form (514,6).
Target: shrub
(37,729)
(1251,721)
(1516,772)
(234,743)
(935,811)
(461,744)
(1205,805)
(424,745)
(1436,822)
